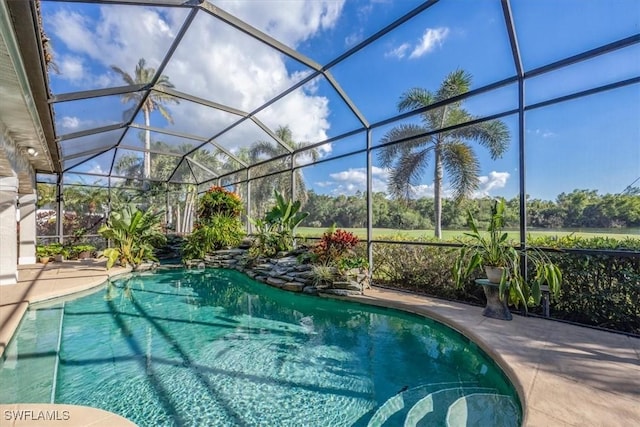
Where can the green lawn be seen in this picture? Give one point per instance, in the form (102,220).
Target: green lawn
(381,233)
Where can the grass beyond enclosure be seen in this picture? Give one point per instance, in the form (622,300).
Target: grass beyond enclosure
(450,235)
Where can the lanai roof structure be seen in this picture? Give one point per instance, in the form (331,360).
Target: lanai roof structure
(124,93)
(228,74)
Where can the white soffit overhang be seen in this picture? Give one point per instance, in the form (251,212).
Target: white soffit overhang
(18,112)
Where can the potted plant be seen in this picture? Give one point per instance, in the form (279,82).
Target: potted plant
(58,251)
(83,251)
(43,254)
(494,252)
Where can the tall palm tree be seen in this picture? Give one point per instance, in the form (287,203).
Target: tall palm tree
(153,102)
(263,189)
(450,151)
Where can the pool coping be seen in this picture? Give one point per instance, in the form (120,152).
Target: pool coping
(43,414)
(565,375)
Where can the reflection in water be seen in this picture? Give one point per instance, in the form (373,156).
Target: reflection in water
(216,348)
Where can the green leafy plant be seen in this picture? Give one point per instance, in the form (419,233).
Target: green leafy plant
(276,232)
(76,250)
(219,232)
(493,249)
(357,262)
(218,225)
(43,251)
(323,275)
(134,234)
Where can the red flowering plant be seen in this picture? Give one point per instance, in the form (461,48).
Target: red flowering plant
(334,256)
(337,248)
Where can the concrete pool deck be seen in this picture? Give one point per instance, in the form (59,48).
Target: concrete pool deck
(566,375)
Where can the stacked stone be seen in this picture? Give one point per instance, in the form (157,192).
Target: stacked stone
(283,272)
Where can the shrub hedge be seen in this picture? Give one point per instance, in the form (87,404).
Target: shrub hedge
(599,289)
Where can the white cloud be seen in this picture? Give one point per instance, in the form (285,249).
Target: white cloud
(214,61)
(71,67)
(354,38)
(431,38)
(97,169)
(399,52)
(544,133)
(291,22)
(355,179)
(70,122)
(495,180)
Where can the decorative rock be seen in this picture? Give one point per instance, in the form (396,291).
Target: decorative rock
(340,292)
(311,290)
(293,286)
(229,252)
(284,272)
(350,285)
(275,282)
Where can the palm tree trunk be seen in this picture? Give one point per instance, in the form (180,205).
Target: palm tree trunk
(188,210)
(178,220)
(147,143)
(437,190)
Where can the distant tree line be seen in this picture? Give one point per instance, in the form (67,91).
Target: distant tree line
(578,209)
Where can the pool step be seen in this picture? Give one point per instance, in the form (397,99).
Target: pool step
(451,404)
(483,409)
(432,409)
(394,410)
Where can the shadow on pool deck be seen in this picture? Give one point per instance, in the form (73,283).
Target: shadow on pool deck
(566,375)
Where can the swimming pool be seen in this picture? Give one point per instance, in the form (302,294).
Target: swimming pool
(213,347)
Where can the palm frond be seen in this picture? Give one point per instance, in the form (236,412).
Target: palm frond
(456,83)
(261,150)
(125,76)
(415,98)
(463,168)
(407,173)
(493,135)
(410,134)
(456,116)
(166,114)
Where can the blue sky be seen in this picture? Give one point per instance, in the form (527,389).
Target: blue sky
(591,142)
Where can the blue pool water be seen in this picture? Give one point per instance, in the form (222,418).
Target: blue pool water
(215,348)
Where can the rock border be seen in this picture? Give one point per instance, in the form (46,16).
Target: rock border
(283,271)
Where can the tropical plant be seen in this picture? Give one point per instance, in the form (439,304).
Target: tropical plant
(262,189)
(276,232)
(334,258)
(335,245)
(450,150)
(495,250)
(221,231)
(219,201)
(43,251)
(134,234)
(76,250)
(218,225)
(154,101)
